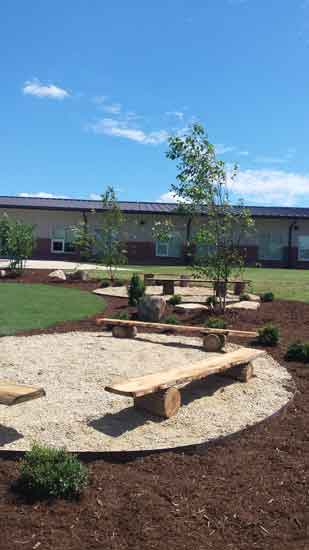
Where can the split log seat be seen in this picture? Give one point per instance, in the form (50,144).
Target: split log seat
(157,392)
(213,339)
(13,394)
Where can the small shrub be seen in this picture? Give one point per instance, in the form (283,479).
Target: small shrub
(123,315)
(268,335)
(244,298)
(215,322)
(118,282)
(136,290)
(298,351)
(105,283)
(175,300)
(171,320)
(212,302)
(46,472)
(267,297)
(258,264)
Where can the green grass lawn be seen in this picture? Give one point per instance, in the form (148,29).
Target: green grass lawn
(24,307)
(286,284)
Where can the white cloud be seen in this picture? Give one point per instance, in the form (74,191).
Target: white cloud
(43,195)
(95,197)
(271,187)
(121,128)
(168,197)
(264,187)
(112,108)
(270,160)
(243,153)
(176,114)
(221,149)
(36,88)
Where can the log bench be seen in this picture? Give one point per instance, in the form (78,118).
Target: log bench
(157,392)
(213,339)
(13,394)
(168,284)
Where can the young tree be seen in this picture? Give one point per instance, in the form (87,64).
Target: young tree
(84,240)
(17,242)
(110,247)
(202,187)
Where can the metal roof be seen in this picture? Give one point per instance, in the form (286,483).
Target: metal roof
(82,205)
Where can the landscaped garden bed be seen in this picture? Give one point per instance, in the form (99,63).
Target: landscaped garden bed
(248,492)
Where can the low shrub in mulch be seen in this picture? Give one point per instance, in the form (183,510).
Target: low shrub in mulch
(47,472)
(267,297)
(268,335)
(216,322)
(121,315)
(244,297)
(298,351)
(171,320)
(175,300)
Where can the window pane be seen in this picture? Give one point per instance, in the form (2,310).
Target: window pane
(270,246)
(58,232)
(161,249)
(57,246)
(303,247)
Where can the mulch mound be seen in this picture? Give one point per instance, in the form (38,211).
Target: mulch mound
(248,492)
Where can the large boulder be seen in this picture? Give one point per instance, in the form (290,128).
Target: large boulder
(57,276)
(151,308)
(78,275)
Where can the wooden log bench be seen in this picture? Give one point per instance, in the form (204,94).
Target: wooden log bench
(157,392)
(168,283)
(13,394)
(213,339)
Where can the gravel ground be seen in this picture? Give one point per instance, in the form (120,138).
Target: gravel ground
(77,413)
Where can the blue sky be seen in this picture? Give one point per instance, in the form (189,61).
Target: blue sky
(91,89)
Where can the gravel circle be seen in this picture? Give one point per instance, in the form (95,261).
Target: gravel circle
(78,414)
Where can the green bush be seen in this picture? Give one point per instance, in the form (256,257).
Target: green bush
(171,320)
(175,300)
(136,290)
(267,297)
(216,322)
(46,472)
(105,283)
(268,335)
(122,315)
(298,351)
(244,297)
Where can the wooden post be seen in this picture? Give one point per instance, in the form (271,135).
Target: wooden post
(164,403)
(184,280)
(213,342)
(148,279)
(124,332)
(169,287)
(243,373)
(239,288)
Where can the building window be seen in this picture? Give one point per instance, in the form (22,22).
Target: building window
(271,246)
(303,248)
(62,240)
(162,248)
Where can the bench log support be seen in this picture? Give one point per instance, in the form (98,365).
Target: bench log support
(214,342)
(164,403)
(242,373)
(124,332)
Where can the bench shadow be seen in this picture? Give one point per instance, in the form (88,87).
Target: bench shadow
(169,344)
(8,435)
(128,419)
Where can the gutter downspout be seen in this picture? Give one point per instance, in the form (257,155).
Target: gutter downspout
(291,227)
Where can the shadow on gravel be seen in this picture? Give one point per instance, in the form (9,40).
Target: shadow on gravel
(8,435)
(129,419)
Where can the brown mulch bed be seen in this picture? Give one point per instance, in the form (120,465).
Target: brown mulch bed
(248,492)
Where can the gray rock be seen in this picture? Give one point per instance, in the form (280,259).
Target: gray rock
(2,273)
(58,275)
(151,308)
(78,275)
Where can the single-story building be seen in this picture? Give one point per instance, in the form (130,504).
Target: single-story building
(281,238)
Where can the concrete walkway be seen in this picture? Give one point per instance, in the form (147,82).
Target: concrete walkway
(58,264)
